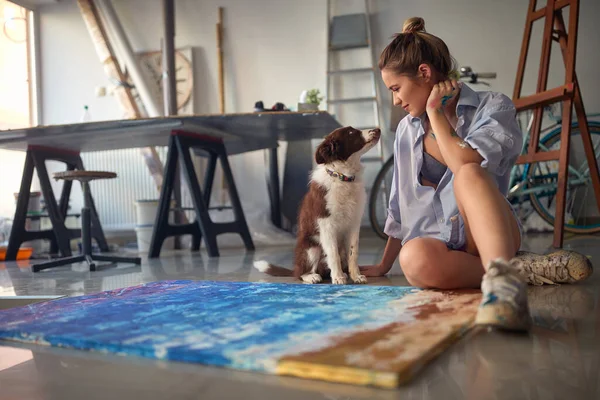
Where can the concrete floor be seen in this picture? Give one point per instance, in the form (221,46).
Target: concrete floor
(559,359)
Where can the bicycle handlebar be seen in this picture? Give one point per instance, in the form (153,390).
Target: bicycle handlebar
(467,73)
(486,75)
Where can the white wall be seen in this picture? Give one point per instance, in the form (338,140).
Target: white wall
(10,161)
(270,58)
(266,58)
(274,50)
(487,35)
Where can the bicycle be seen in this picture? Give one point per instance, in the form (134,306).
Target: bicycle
(534,184)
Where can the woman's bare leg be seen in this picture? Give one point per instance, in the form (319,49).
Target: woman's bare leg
(492,233)
(491,227)
(487,216)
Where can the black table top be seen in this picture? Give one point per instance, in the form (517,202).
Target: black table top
(240,132)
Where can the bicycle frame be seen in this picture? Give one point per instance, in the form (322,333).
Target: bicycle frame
(521,184)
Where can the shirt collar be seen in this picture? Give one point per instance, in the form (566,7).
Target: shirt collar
(468,97)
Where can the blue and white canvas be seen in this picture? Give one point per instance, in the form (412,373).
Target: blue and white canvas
(240,325)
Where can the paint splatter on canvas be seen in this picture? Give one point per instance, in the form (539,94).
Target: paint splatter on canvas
(376,335)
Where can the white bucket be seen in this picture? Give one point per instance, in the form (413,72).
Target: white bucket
(34,208)
(35,202)
(146,211)
(144,237)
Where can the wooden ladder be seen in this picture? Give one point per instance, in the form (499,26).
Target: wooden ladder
(113,70)
(569,94)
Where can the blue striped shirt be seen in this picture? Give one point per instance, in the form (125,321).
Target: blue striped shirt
(487,121)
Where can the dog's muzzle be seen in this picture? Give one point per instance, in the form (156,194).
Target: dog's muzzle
(374,134)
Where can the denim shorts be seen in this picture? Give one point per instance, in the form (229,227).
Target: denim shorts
(458,236)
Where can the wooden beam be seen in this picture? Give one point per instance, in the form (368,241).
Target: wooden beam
(537,14)
(538,156)
(524,52)
(584,128)
(544,98)
(112,69)
(569,93)
(542,82)
(220,61)
(221,69)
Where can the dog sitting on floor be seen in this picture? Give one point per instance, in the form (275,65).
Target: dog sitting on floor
(331,212)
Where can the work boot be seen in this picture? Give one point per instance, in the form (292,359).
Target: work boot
(561,266)
(504,303)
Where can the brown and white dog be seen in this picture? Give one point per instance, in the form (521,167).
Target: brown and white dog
(331,212)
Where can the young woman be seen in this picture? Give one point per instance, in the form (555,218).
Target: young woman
(448,216)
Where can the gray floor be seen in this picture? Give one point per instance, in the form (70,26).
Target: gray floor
(559,359)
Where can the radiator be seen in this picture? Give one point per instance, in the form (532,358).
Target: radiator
(115,198)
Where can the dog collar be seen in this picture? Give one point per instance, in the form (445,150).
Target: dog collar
(340,176)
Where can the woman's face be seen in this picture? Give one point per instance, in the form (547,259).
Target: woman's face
(410,93)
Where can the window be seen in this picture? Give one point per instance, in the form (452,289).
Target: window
(17,93)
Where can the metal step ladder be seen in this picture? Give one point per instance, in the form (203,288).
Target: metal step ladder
(349,44)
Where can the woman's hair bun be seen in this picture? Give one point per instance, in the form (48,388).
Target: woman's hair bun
(414,24)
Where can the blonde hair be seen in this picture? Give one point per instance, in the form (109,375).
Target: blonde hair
(413,47)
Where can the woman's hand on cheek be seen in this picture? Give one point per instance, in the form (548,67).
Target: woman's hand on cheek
(441,95)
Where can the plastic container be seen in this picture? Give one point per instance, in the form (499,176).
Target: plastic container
(34,209)
(145,211)
(86,116)
(35,202)
(144,237)
(24,253)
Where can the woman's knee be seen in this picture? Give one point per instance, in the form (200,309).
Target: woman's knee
(419,263)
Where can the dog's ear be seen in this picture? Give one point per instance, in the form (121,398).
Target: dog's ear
(326,152)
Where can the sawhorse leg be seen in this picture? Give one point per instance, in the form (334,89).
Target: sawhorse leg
(60,235)
(203,228)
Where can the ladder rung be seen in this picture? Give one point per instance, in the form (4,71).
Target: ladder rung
(544,98)
(348,31)
(349,47)
(353,14)
(352,100)
(220,208)
(371,159)
(540,13)
(539,156)
(350,71)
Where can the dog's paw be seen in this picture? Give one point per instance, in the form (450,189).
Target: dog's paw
(359,279)
(340,280)
(312,278)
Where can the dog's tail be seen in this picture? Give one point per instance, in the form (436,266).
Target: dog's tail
(272,270)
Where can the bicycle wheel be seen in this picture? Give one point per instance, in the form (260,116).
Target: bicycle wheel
(581,213)
(379,198)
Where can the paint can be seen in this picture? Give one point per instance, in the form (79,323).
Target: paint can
(33,220)
(143,234)
(146,211)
